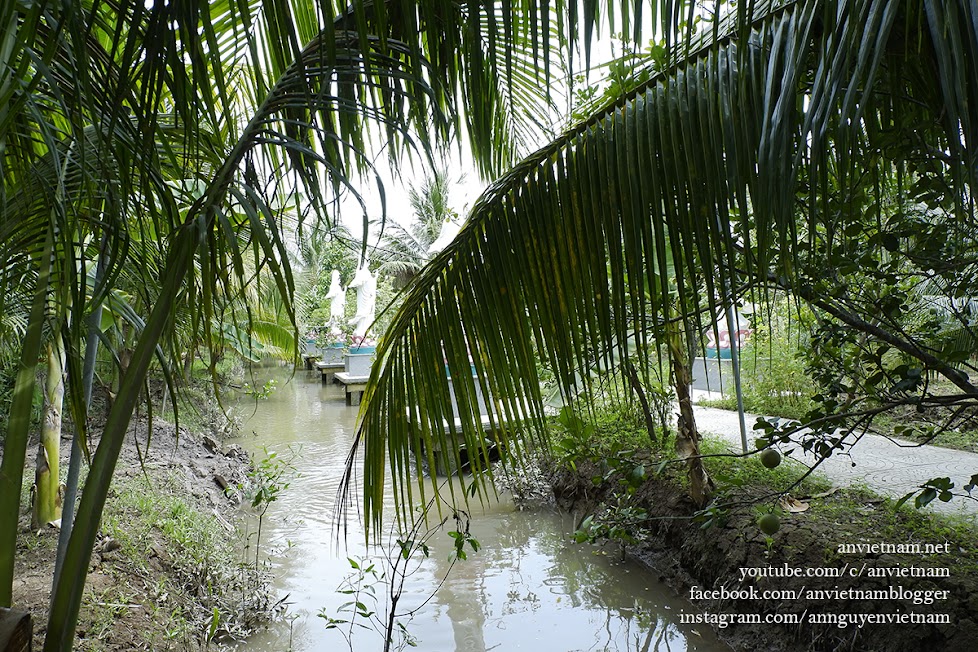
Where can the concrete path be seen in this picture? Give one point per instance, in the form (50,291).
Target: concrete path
(887,467)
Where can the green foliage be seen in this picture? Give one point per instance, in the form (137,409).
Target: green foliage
(626,72)
(764,148)
(7,379)
(941,489)
(198,408)
(404,248)
(765,158)
(774,364)
(775,381)
(360,585)
(574,440)
(614,440)
(461,537)
(199,128)
(185,530)
(267,478)
(611,431)
(619,521)
(208,584)
(261,393)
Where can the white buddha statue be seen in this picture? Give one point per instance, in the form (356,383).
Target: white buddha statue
(366,286)
(337,305)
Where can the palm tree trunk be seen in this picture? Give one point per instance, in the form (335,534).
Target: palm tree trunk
(687,436)
(66,601)
(15,444)
(643,400)
(47,481)
(93,322)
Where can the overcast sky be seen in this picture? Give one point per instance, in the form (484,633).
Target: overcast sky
(463,193)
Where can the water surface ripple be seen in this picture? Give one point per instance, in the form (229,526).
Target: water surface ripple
(528,588)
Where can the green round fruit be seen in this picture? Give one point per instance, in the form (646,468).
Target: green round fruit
(770,458)
(769,523)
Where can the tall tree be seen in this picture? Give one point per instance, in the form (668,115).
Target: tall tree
(176,130)
(47,480)
(405,248)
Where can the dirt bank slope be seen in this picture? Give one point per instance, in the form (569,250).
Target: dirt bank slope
(688,555)
(168,555)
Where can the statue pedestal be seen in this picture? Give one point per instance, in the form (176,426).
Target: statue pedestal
(357,369)
(332,354)
(358,364)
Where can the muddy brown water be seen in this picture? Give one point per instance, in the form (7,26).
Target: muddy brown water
(528,588)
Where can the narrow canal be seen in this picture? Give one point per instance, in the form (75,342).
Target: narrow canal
(529,587)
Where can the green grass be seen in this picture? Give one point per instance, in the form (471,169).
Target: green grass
(613,435)
(202,567)
(793,408)
(605,432)
(143,509)
(858,514)
(730,469)
(964,439)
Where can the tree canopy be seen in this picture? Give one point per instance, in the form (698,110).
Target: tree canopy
(149,151)
(168,143)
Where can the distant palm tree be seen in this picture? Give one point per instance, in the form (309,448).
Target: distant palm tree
(405,248)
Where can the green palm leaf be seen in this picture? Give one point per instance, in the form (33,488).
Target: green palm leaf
(164,188)
(710,169)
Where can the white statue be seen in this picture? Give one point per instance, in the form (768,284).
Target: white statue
(449,229)
(337,298)
(742,331)
(366,285)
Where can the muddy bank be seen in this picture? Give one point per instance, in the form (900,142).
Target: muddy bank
(166,572)
(687,555)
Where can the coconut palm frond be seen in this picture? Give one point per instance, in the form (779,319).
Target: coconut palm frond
(698,179)
(159,87)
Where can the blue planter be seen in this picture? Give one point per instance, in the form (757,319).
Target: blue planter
(362,350)
(724,354)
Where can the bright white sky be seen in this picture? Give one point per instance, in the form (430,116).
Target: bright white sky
(466,185)
(465,188)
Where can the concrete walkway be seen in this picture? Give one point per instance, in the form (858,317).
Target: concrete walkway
(887,467)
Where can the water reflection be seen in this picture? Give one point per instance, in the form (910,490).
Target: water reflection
(531,588)
(528,587)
